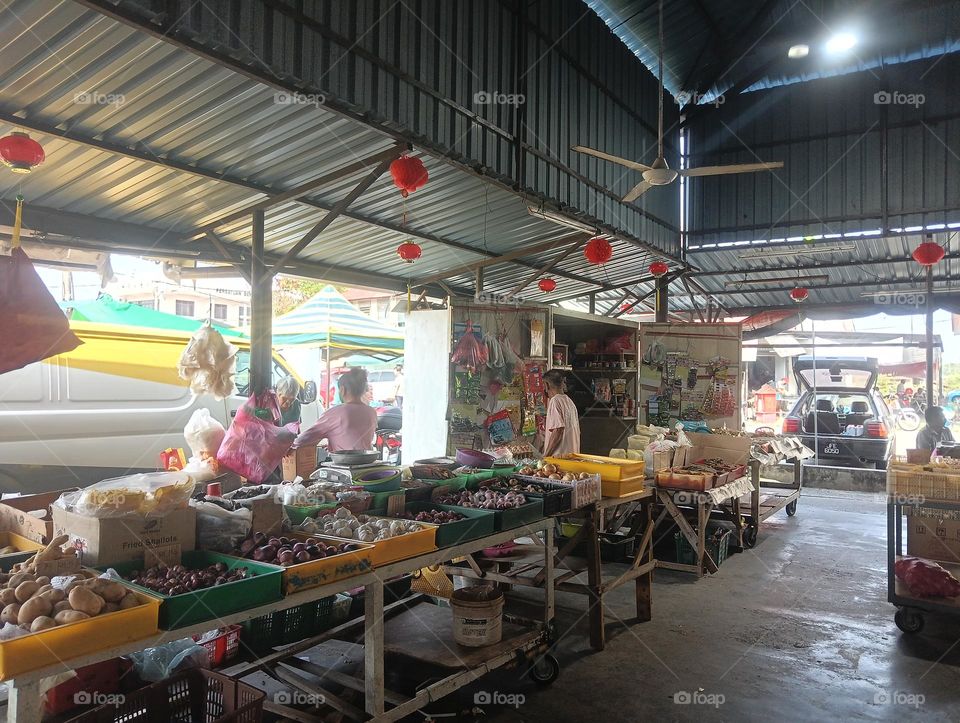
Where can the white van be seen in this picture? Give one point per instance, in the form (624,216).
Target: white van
(109,407)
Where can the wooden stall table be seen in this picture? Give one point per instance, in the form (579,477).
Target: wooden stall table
(606,515)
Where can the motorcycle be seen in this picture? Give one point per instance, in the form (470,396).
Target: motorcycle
(389,440)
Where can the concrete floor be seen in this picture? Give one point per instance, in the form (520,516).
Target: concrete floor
(797,629)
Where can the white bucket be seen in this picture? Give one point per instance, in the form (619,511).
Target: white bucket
(476,622)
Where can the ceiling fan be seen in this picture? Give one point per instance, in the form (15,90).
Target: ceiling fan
(659,173)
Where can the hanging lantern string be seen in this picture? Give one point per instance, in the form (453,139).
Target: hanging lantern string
(17,223)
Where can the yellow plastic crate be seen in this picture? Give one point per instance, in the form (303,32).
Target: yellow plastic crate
(405,546)
(621,488)
(610,469)
(61,644)
(327,569)
(12,539)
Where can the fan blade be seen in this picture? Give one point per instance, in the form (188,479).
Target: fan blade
(738,168)
(608,157)
(634,193)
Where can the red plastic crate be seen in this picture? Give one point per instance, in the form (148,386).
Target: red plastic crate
(100,678)
(224,647)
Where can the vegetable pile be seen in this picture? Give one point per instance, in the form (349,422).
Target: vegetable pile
(485,500)
(551,471)
(245,493)
(925,578)
(437,517)
(178,580)
(519,485)
(343,523)
(287,551)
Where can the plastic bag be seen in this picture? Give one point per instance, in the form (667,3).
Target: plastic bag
(155,664)
(219,529)
(469,352)
(203,433)
(34,326)
(254,447)
(202,470)
(209,363)
(152,494)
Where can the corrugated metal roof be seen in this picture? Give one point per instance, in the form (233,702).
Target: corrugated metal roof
(104,81)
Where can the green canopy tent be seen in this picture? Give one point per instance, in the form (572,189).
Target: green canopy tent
(107,310)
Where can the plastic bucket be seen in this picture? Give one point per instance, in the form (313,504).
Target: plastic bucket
(476,623)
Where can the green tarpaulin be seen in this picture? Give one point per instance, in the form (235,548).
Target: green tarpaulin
(107,310)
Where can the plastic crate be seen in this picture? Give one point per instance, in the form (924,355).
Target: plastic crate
(104,677)
(193,696)
(288,626)
(223,648)
(556,498)
(614,547)
(716,545)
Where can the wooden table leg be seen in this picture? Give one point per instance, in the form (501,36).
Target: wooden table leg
(595,599)
(373,648)
(644,583)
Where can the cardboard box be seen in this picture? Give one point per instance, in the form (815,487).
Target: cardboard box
(662,460)
(301,462)
(107,541)
(933,534)
(15,517)
(732,450)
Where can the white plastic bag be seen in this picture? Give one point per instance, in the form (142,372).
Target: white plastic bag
(209,363)
(151,494)
(219,529)
(203,433)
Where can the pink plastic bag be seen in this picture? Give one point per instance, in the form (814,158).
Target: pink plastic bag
(469,352)
(253,447)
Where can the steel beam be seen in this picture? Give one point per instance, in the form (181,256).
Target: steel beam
(261,307)
(577,243)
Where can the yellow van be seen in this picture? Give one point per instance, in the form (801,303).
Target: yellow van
(109,407)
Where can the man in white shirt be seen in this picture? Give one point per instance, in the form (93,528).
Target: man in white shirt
(563,422)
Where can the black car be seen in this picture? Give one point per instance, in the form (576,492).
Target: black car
(840,414)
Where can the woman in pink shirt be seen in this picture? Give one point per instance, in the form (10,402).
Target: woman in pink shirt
(563,423)
(347,426)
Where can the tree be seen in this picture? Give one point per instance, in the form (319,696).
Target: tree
(290,292)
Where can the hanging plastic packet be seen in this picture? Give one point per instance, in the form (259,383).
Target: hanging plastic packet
(209,363)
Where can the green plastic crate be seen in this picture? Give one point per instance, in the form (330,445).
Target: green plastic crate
(297,514)
(478,524)
(288,626)
(508,519)
(178,611)
(718,547)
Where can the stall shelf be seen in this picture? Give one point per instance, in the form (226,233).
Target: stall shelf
(25,704)
(910,608)
(608,515)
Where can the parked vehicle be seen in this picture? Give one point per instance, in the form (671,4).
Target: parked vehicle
(905,417)
(389,440)
(109,407)
(840,414)
(384,384)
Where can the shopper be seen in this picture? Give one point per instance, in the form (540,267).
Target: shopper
(563,423)
(936,430)
(288,393)
(349,425)
(398,388)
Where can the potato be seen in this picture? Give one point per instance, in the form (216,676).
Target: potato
(110,608)
(86,601)
(26,590)
(72,584)
(69,616)
(42,623)
(108,589)
(32,609)
(7,597)
(43,580)
(61,606)
(42,589)
(130,600)
(20,577)
(10,614)
(53,595)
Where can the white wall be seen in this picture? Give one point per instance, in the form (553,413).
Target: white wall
(426,381)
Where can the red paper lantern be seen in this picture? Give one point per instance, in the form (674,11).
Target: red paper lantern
(409,252)
(409,174)
(20,153)
(928,253)
(598,251)
(658,268)
(799,294)
(626,307)
(547,285)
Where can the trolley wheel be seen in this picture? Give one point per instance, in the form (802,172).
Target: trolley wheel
(909,620)
(791,508)
(750,536)
(545,669)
